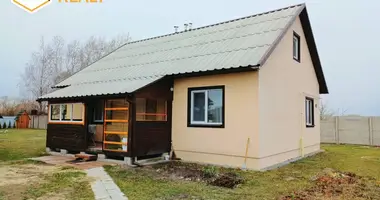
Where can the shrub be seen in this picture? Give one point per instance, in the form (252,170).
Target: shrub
(9,124)
(210,171)
(4,125)
(14,124)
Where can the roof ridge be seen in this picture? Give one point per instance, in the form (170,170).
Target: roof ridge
(215,24)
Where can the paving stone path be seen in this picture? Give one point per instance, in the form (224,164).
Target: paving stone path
(104,188)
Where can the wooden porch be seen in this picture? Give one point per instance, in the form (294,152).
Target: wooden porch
(129,125)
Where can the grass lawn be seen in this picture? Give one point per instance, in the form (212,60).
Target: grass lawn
(26,179)
(22,143)
(146,184)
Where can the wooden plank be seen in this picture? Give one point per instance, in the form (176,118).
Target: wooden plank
(116,133)
(116,120)
(116,109)
(151,114)
(121,143)
(115,150)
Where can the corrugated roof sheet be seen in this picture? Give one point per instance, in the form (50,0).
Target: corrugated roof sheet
(237,43)
(102,88)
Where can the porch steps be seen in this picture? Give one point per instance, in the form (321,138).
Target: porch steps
(86,157)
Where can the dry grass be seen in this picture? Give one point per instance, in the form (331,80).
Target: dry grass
(26,179)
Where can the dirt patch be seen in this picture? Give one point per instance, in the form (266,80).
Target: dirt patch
(22,174)
(198,173)
(15,179)
(54,196)
(336,185)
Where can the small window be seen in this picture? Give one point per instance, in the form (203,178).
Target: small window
(151,109)
(99,111)
(69,112)
(55,112)
(296,47)
(206,107)
(309,112)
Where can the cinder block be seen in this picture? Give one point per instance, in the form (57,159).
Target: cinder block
(128,160)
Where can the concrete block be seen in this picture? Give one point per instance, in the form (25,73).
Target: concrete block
(127,160)
(64,151)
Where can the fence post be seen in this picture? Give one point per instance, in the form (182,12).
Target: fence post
(337,129)
(370,124)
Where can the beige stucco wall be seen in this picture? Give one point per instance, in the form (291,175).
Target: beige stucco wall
(283,85)
(220,146)
(266,106)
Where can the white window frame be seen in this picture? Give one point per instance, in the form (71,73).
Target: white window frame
(309,112)
(71,121)
(102,110)
(297,46)
(205,122)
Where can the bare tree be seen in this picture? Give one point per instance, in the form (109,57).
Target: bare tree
(326,112)
(38,73)
(8,107)
(54,62)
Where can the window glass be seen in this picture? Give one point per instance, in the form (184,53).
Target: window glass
(296,47)
(198,108)
(66,111)
(215,105)
(55,112)
(206,106)
(77,112)
(309,113)
(98,111)
(151,109)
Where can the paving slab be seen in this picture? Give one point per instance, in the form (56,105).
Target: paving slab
(103,186)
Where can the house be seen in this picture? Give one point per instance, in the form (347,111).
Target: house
(238,93)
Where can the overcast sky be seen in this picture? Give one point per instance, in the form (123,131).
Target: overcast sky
(346,32)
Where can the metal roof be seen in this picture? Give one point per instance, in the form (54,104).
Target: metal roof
(102,88)
(243,42)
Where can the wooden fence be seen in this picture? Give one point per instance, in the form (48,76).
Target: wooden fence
(38,121)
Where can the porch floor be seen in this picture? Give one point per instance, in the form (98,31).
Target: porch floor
(98,148)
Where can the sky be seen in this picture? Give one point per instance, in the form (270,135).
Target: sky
(346,34)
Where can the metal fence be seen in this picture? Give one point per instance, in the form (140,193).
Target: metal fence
(351,130)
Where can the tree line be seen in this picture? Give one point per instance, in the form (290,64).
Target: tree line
(56,60)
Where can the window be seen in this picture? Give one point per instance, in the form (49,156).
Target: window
(206,107)
(71,112)
(309,112)
(151,109)
(99,111)
(296,47)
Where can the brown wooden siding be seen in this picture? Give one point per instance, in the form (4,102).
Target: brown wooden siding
(153,137)
(66,136)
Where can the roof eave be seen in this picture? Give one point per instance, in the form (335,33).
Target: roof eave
(306,26)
